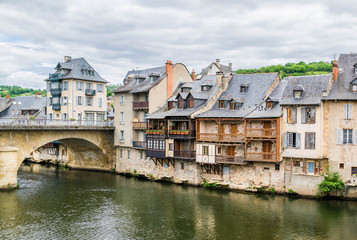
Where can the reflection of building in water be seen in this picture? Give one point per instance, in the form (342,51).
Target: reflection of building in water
(54,151)
(205,223)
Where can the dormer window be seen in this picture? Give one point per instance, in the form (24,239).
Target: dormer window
(243,89)
(180,103)
(355,68)
(84,72)
(232,106)
(297,94)
(170,104)
(139,80)
(269,105)
(354,85)
(204,88)
(191,103)
(221,104)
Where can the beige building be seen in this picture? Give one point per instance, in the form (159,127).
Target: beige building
(340,115)
(76,92)
(144,92)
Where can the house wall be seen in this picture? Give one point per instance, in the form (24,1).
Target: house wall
(72,109)
(298,127)
(127,108)
(343,153)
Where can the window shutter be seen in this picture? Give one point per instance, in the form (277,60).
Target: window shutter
(344,111)
(355,137)
(313,115)
(290,119)
(211,150)
(303,115)
(349,111)
(285,140)
(339,136)
(198,150)
(298,140)
(294,117)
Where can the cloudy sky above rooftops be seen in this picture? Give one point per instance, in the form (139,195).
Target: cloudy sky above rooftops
(116,36)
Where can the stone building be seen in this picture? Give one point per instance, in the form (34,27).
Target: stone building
(144,92)
(76,91)
(302,130)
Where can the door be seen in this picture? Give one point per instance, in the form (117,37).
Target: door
(221,131)
(267,126)
(231,150)
(90,118)
(266,150)
(310,167)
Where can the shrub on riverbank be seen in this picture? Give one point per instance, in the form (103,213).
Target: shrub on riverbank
(331,182)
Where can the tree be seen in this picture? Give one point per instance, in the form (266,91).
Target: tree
(331,182)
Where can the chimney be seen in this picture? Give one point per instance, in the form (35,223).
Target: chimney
(7,96)
(230,65)
(38,94)
(169,78)
(218,62)
(334,70)
(67,58)
(219,76)
(193,75)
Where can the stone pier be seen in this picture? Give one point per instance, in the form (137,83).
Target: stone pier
(8,167)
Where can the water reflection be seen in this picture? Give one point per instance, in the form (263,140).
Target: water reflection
(58,204)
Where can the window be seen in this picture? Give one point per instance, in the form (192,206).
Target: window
(353,171)
(308,115)
(341,165)
(79,86)
(149,144)
(205,150)
(204,88)
(128,154)
(291,140)
(221,104)
(89,86)
(121,135)
(146,98)
(277,166)
(297,94)
(269,105)
(50,116)
(225,170)
(100,102)
(310,167)
(191,103)
(65,85)
(79,100)
(89,101)
(347,111)
(64,101)
(243,88)
(50,101)
(353,87)
(141,155)
(291,114)
(121,117)
(121,99)
(296,163)
(55,100)
(347,136)
(310,140)
(100,117)
(171,146)
(219,150)
(64,116)
(100,87)
(165,165)
(180,103)
(232,106)
(121,153)
(182,166)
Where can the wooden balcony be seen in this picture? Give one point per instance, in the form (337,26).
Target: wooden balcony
(184,134)
(155,153)
(156,133)
(216,137)
(139,144)
(230,159)
(261,156)
(182,154)
(139,125)
(261,133)
(140,105)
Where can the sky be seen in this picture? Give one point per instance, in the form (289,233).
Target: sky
(116,36)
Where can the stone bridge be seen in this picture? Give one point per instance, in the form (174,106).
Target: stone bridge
(91,147)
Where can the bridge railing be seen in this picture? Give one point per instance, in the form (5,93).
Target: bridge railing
(47,122)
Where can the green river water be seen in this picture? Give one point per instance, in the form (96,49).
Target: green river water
(67,204)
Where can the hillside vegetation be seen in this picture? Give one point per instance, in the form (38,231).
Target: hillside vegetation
(293,69)
(15,91)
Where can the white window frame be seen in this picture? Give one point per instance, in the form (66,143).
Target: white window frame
(122,119)
(121,136)
(347,111)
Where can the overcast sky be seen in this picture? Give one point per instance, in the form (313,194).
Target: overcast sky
(115,36)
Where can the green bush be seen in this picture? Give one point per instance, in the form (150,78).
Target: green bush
(331,182)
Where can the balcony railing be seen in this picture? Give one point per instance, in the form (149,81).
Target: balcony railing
(216,137)
(184,154)
(261,132)
(55,76)
(141,105)
(229,159)
(56,106)
(139,144)
(155,153)
(90,92)
(182,134)
(22,122)
(55,91)
(139,125)
(261,156)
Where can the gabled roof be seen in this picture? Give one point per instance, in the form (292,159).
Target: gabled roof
(72,69)
(354,81)
(223,68)
(313,88)
(132,86)
(259,85)
(27,103)
(340,89)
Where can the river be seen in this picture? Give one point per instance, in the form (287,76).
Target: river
(68,204)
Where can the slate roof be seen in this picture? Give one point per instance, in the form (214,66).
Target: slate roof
(313,88)
(73,70)
(27,103)
(223,68)
(132,86)
(340,89)
(5,103)
(253,97)
(195,91)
